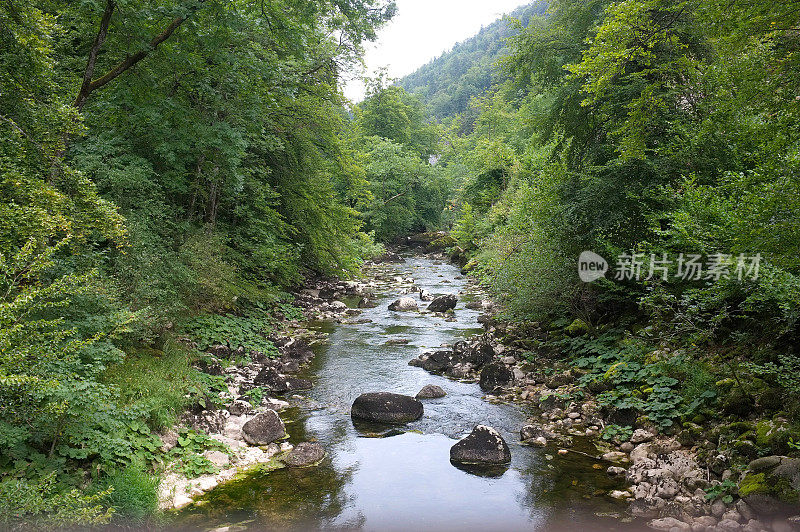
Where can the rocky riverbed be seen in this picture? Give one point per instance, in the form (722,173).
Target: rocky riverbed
(646,478)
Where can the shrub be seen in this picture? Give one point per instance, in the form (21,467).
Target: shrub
(133,493)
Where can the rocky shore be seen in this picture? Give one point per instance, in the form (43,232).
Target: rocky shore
(673,481)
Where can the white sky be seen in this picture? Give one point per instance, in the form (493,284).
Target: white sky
(423,29)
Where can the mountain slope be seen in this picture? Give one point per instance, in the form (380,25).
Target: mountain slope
(446,84)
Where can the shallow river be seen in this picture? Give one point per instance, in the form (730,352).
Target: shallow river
(404,480)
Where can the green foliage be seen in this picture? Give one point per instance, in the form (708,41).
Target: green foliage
(158,383)
(724,491)
(663,388)
(187,457)
(143,184)
(256,395)
(616,433)
(290,312)
(133,493)
(42,503)
(249,331)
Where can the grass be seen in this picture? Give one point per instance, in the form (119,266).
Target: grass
(157,382)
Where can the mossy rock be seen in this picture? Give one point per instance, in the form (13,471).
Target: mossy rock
(750,436)
(444,242)
(738,403)
(745,448)
(774,489)
(771,400)
(686,438)
(469,266)
(739,427)
(774,436)
(699,419)
(577,328)
(725,385)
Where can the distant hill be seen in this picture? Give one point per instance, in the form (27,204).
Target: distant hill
(446,84)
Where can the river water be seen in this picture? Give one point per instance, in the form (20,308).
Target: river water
(384,478)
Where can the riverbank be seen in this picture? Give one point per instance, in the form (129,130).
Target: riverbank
(684,469)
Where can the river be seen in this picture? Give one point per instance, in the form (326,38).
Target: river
(383,478)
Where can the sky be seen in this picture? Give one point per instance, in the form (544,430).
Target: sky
(423,29)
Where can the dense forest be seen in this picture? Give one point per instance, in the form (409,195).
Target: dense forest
(173,168)
(168,165)
(662,137)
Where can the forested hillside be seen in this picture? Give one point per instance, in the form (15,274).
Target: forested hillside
(447,83)
(662,136)
(164,162)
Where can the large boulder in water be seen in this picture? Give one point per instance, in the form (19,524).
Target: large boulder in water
(431,391)
(305,454)
(495,375)
(263,429)
(483,445)
(437,361)
(404,303)
(386,407)
(443,303)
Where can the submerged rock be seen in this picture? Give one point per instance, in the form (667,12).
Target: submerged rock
(264,429)
(386,407)
(305,454)
(403,304)
(443,303)
(431,391)
(483,445)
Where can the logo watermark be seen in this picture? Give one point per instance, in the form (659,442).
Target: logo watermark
(684,266)
(591,266)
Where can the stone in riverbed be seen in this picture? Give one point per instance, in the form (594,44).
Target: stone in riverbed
(479,353)
(531,432)
(239,407)
(483,445)
(263,429)
(403,304)
(278,383)
(443,303)
(305,454)
(431,391)
(386,407)
(495,375)
(437,361)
